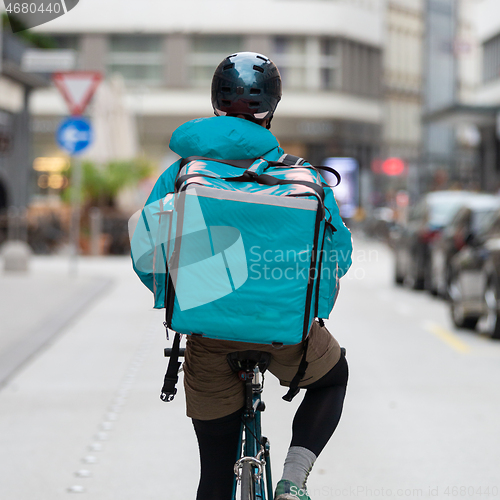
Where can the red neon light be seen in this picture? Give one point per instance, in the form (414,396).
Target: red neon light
(393,166)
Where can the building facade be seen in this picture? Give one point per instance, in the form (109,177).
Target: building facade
(403,59)
(16,86)
(329,54)
(454,114)
(403,95)
(487,96)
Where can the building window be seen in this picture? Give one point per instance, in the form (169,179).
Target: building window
(491,59)
(289,54)
(139,58)
(67,41)
(361,65)
(6,132)
(206,54)
(329,64)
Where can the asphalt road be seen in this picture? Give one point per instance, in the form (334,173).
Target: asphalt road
(83,417)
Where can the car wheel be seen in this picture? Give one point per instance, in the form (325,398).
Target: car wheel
(413,277)
(446,292)
(460,320)
(429,281)
(490,323)
(418,280)
(398,277)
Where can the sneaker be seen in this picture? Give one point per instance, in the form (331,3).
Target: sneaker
(286,490)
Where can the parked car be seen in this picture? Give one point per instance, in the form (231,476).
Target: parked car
(411,243)
(475,279)
(379,222)
(453,237)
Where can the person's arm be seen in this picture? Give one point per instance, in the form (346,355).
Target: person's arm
(145,232)
(342,237)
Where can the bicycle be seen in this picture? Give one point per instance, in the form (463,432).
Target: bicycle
(252,468)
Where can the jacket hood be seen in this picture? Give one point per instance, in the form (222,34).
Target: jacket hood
(222,138)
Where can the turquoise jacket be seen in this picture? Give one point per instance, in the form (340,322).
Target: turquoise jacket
(222,137)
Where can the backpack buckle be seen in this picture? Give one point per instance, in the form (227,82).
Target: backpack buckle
(256,168)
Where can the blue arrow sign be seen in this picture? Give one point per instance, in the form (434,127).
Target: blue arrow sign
(74,134)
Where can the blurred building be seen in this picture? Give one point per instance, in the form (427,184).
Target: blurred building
(403,79)
(368,79)
(403,98)
(487,97)
(16,87)
(461,108)
(329,54)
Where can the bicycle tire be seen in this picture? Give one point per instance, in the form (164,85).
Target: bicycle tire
(247,483)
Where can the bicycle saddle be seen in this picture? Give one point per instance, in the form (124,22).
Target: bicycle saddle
(248,360)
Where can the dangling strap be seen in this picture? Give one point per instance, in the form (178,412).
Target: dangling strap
(169,390)
(296,161)
(294,384)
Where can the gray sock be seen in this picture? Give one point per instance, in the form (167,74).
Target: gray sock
(298,464)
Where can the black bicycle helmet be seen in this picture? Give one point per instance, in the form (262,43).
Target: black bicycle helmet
(247,84)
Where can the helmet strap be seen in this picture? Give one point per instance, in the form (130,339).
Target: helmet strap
(252,119)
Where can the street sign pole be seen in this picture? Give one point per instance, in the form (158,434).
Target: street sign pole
(74,135)
(74,238)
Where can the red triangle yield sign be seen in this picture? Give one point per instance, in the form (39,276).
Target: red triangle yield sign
(77,88)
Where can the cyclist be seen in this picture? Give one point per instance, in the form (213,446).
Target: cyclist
(246,89)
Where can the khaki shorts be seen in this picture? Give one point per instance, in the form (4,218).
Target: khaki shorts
(213,390)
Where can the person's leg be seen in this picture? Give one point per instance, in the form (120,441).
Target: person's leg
(319,413)
(214,400)
(315,421)
(218,443)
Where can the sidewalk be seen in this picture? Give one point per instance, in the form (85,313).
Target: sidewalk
(37,305)
(83,414)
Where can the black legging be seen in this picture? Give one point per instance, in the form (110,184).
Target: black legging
(314,423)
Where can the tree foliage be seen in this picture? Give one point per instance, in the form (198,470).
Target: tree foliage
(39,40)
(101,184)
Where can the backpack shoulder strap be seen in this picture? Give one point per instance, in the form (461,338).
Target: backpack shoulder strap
(234,163)
(296,161)
(291,160)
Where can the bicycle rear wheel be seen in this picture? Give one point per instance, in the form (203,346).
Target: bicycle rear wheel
(247,482)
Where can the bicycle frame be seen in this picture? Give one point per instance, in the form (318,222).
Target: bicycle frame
(253,447)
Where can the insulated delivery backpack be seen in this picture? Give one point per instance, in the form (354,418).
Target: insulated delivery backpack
(245,247)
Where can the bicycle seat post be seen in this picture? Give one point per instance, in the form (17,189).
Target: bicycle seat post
(244,363)
(254,463)
(247,376)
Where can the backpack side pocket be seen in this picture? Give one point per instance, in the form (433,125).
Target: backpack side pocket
(328,274)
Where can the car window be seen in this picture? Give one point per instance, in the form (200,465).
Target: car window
(417,212)
(441,211)
(481,220)
(490,223)
(460,219)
